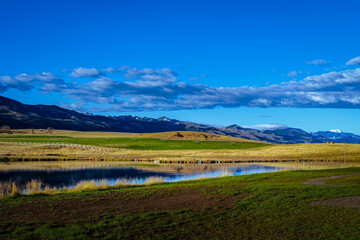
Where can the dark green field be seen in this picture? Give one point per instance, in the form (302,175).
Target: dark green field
(259,206)
(137,143)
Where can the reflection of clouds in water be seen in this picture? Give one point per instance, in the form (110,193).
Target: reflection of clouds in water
(250,169)
(234,171)
(124,175)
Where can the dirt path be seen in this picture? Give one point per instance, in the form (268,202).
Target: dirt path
(321,181)
(346,202)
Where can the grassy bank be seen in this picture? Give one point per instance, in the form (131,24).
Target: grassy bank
(11,188)
(260,206)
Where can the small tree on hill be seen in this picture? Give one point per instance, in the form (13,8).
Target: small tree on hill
(6,129)
(178,135)
(50,130)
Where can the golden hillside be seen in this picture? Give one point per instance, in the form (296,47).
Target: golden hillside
(187,135)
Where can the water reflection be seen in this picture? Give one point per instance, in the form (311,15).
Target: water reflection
(131,175)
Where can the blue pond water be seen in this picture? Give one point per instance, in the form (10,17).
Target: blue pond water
(132,175)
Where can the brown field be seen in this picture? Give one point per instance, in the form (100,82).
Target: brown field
(117,202)
(188,135)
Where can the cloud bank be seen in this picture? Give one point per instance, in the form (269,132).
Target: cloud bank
(161,90)
(263,127)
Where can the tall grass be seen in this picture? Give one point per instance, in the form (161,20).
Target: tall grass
(86,185)
(14,190)
(152,180)
(6,188)
(10,188)
(34,186)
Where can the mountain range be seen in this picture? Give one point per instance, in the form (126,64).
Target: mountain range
(19,116)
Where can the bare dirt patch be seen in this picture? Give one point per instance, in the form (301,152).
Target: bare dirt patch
(346,202)
(66,211)
(321,181)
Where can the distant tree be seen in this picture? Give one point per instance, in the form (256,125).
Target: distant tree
(6,129)
(178,135)
(32,131)
(50,130)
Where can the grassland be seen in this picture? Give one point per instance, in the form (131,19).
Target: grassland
(260,206)
(298,152)
(61,145)
(134,143)
(68,145)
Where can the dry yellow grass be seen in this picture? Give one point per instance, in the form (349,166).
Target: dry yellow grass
(311,165)
(59,165)
(10,188)
(188,135)
(308,152)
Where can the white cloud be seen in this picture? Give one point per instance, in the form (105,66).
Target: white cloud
(84,72)
(319,62)
(26,82)
(292,74)
(354,61)
(7,80)
(45,76)
(93,72)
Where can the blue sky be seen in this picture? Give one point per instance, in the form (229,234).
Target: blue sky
(292,63)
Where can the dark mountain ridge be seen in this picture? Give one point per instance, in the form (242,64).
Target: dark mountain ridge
(18,115)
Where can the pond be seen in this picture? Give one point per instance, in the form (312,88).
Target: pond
(71,177)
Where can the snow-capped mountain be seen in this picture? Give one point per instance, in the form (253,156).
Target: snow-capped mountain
(336,135)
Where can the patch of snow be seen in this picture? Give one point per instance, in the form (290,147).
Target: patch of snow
(335,130)
(165,119)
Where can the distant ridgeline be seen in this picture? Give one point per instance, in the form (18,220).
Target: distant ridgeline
(20,116)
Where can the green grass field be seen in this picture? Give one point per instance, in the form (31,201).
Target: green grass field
(259,206)
(135,143)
